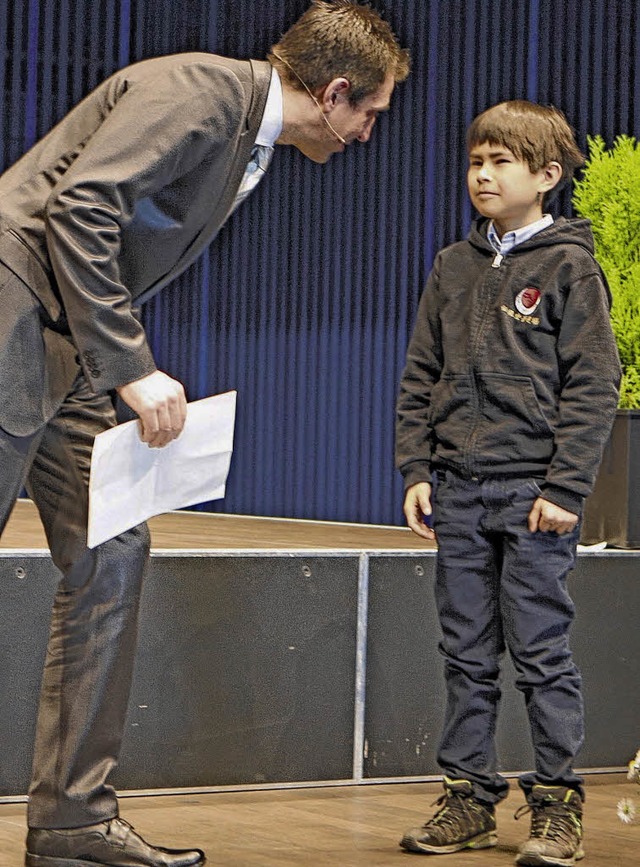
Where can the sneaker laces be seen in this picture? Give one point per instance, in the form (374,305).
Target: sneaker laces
(552,820)
(451,811)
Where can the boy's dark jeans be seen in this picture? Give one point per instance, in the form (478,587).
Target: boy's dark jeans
(499,585)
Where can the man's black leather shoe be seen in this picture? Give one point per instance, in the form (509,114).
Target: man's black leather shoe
(109,844)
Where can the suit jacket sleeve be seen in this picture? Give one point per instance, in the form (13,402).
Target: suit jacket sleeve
(156,131)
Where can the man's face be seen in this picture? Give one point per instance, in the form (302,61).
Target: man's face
(341,120)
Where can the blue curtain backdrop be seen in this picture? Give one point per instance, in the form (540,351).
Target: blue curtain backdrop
(306,301)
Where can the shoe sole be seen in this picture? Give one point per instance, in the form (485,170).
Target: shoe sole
(51,861)
(54,861)
(482,841)
(525,860)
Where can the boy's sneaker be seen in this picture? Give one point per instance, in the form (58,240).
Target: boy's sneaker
(556,828)
(462,822)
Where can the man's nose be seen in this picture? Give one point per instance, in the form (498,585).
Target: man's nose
(365,135)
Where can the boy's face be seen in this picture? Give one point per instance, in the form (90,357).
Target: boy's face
(504,189)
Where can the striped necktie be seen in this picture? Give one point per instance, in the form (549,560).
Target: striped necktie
(256,169)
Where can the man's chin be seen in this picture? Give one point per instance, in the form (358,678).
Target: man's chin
(318,155)
(321,159)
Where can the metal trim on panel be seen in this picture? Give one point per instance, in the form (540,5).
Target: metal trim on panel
(361,669)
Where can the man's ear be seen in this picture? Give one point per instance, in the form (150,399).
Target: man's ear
(337,90)
(552,173)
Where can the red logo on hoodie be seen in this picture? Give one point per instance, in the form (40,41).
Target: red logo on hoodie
(527,301)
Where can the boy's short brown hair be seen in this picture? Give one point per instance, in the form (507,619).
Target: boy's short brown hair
(536,134)
(336,38)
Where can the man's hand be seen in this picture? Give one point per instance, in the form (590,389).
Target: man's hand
(160,403)
(547,517)
(417,504)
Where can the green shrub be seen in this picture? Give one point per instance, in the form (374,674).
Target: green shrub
(608,194)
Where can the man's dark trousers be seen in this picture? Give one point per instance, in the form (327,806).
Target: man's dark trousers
(89,662)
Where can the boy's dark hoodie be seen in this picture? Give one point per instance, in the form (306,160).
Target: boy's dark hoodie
(512,369)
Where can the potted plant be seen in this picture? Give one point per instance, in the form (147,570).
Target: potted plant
(608,194)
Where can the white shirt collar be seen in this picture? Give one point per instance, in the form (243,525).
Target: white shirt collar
(518,236)
(271,125)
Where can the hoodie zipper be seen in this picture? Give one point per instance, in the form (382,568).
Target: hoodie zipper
(490,286)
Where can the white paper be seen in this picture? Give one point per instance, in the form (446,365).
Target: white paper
(131,482)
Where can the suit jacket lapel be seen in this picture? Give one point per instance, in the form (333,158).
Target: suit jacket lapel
(256,85)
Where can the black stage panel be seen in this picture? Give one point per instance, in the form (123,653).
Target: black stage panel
(245,671)
(27,587)
(282,667)
(405,693)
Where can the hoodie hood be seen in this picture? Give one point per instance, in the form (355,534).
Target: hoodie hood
(561,231)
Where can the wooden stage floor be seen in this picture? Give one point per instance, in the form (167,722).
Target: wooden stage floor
(208,531)
(357,826)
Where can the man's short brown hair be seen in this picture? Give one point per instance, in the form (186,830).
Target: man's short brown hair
(535,134)
(340,38)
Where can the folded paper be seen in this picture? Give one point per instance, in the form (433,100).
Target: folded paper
(131,482)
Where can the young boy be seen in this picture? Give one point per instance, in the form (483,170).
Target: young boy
(506,401)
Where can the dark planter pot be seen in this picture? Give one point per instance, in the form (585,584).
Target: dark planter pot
(612,511)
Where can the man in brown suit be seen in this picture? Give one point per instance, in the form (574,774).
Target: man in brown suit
(113,203)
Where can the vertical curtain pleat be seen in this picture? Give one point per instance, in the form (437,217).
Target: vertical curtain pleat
(306,301)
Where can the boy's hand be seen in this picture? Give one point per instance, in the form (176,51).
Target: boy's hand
(417,504)
(547,517)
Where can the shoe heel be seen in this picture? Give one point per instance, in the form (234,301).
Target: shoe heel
(484,841)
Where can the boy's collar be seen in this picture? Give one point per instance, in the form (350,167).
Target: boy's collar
(518,236)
